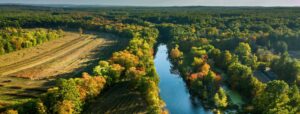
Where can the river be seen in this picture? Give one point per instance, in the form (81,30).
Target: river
(174,92)
(173,89)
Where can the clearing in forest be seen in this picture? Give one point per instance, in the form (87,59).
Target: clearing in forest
(27,73)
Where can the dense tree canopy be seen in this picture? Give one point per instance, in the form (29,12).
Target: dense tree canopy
(278,98)
(12,39)
(209,46)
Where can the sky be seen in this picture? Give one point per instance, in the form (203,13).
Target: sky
(163,2)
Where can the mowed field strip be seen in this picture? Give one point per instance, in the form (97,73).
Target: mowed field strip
(29,72)
(44,57)
(69,63)
(74,46)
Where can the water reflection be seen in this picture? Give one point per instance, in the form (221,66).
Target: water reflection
(173,88)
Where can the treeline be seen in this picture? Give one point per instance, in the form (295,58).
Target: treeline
(226,25)
(205,67)
(278,39)
(134,65)
(286,68)
(249,52)
(209,46)
(12,39)
(191,58)
(67,97)
(231,26)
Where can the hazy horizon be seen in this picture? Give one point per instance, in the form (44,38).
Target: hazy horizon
(266,3)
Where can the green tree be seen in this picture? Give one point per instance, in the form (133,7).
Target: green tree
(2,51)
(281,47)
(220,99)
(125,59)
(41,108)
(115,72)
(243,49)
(102,69)
(9,47)
(69,95)
(256,87)
(294,98)
(239,77)
(216,54)
(286,68)
(227,59)
(274,99)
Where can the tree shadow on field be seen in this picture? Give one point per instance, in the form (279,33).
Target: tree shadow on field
(102,52)
(118,99)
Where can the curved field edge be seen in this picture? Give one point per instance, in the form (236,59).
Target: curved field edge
(44,57)
(142,37)
(137,71)
(19,90)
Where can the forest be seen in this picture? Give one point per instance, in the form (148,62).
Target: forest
(13,39)
(251,50)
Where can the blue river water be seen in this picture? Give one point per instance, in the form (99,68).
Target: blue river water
(173,89)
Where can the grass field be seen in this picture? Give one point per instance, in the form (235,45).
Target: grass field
(29,72)
(119,99)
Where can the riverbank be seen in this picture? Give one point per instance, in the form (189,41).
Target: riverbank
(173,89)
(181,100)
